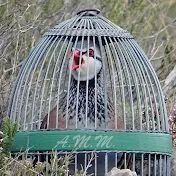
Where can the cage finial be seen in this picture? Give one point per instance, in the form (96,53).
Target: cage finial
(97,11)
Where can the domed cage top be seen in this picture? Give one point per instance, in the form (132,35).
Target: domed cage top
(88,76)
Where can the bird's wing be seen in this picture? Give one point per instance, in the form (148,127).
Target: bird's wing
(53,113)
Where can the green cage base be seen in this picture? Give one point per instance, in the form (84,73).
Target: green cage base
(79,140)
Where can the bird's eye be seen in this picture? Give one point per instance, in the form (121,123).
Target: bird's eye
(84,53)
(91,52)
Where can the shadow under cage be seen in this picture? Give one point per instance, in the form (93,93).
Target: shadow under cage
(87,88)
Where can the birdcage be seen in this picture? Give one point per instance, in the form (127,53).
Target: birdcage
(88,88)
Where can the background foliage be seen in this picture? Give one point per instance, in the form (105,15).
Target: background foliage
(23,22)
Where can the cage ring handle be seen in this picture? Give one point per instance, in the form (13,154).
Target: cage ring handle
(88,10)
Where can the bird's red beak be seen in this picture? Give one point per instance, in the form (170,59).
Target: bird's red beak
(75,64)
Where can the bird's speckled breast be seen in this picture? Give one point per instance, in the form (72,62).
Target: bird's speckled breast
(83,112)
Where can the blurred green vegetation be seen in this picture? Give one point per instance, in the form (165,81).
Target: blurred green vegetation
(152,23)
(9,134)
(23,22)
(53,6)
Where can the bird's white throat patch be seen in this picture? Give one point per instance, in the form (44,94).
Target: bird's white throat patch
(90,67)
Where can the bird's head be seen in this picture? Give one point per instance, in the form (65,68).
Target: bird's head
(85,61)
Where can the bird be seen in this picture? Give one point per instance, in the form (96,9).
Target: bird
(86,68)
(88,61)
